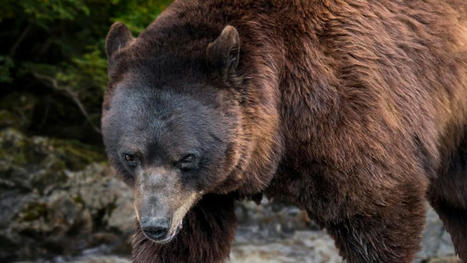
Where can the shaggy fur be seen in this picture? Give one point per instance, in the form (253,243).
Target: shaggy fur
(355,111)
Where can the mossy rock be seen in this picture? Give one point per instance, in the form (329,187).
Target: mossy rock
(55,195)
(39,163)
(18,149)
(75,154)
(33,211)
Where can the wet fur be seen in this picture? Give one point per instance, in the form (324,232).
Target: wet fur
(353,110)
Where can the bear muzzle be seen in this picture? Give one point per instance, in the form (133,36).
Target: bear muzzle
(158,229)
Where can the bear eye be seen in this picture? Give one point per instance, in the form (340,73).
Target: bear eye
(188,158)
(187,162)
(130,159)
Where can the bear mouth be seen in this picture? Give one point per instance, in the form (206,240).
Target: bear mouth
(170,237)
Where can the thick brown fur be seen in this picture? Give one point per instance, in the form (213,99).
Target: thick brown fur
(353,110)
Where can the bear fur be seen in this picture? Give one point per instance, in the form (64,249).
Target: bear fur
(355,111)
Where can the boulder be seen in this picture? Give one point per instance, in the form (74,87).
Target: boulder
(58,198)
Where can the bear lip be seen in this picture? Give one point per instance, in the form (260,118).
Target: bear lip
(169,238)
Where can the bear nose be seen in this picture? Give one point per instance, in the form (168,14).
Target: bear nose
(155,228)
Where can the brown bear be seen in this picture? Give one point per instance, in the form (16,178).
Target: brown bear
(353,110)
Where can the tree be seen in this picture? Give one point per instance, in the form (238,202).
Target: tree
(52,62)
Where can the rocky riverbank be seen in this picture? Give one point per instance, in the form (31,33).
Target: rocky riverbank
(61,203)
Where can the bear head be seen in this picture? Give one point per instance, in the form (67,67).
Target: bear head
(174,123)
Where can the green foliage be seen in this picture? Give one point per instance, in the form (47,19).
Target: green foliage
(143,13)
(45,11)
(54,49)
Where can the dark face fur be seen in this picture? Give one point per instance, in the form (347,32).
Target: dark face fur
(169,140)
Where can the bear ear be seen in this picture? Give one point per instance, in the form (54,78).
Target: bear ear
(118,37)
(223,54)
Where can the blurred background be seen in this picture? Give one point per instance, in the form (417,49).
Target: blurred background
(59,201)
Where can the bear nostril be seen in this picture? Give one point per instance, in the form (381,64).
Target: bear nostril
(155,228)
(156,232)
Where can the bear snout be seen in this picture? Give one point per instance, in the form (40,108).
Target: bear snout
(154,228)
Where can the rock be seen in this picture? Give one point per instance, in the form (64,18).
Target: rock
(302,246)
(436,240)
(58,197)
(444,260)
(86,259)
(103,259)
(276,232)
